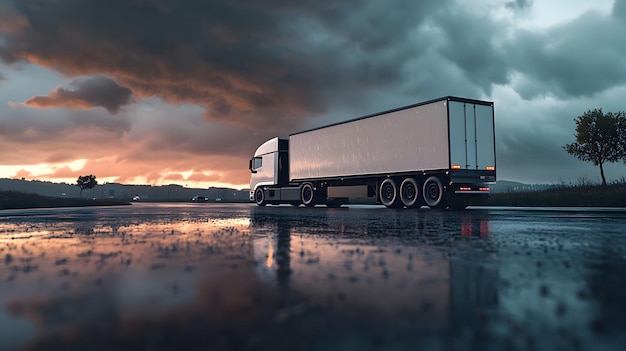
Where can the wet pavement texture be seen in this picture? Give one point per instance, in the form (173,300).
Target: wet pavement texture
(241,277)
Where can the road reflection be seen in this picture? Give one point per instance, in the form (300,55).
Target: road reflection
(283,278)
(62,280)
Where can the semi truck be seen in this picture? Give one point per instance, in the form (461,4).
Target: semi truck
(439,153)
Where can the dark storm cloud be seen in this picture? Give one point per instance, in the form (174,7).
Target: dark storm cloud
(517,5)
(86,93)
(467,41)
(23,127)
(577,59)
(245,61)
(10,20)
(619,10)
(533,146)
(257,62)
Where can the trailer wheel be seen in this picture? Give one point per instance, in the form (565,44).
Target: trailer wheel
(389,193)
(259,197)
(409,193)
(307,194)
(433,192)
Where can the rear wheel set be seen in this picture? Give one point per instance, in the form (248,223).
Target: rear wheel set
(408,193)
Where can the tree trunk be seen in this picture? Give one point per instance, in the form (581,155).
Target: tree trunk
(602,174)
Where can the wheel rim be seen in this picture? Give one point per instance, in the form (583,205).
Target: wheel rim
(307,194)
(433,191)
(388,192)
(259,198)
(408,192)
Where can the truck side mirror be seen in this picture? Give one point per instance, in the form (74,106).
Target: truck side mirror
(250,167)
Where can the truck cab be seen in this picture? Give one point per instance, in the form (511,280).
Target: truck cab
(269,167)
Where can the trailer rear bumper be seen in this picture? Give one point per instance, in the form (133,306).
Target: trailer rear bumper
(473,176)
(473,192)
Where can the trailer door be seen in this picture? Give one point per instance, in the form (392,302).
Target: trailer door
(471,136)
(485,147)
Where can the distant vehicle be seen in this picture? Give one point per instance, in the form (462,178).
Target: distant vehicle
(439,153)
(200,199)
(218,199)
(136,198)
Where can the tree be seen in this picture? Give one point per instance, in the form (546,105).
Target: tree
(621,126)
(86,182)
(599,138)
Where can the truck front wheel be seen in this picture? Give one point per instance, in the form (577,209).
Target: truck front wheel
(259,197)
(307,195)
(433,192)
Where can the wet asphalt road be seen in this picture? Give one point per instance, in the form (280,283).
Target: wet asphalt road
(231,277)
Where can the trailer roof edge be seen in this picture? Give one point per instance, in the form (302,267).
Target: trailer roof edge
(446,98)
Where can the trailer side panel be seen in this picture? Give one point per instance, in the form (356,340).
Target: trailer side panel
(408,140)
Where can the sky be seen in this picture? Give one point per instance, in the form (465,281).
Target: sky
(183,92)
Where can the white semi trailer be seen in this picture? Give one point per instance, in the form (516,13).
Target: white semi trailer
(439,153)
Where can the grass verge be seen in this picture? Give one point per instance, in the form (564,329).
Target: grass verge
(565,196)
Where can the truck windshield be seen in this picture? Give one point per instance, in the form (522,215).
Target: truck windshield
(257,162)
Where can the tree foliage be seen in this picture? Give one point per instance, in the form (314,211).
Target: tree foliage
(86,182)
(600,138)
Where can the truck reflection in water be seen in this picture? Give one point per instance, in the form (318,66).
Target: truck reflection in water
(394,267)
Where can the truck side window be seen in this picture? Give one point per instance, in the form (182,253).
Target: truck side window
(258,162)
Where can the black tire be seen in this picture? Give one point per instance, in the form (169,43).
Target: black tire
(259,197)
(307,195)
(433,192)
(388,194)
(409,193)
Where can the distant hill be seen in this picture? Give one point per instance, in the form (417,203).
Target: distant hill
(171,192)
(19,200)
(175,192)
